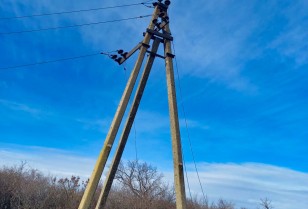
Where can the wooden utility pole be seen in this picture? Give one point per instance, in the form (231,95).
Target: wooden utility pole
(175,130)
(103,156)
(158,31)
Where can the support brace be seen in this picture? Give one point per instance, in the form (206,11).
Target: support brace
(103,156)
(130,119)
(160,11)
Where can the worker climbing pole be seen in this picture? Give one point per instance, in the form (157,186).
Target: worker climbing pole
(157,32)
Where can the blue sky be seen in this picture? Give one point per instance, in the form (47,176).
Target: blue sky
(243,74)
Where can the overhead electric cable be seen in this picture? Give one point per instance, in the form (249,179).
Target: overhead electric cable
(188,184)
(50,61)
(134,124)
(76,25)
(74,11)
(188,135)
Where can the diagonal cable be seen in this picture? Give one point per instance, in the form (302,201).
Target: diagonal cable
(50,61)
(73,11)
(76,25)
(188,184)
(188,135)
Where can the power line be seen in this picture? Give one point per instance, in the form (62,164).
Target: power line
(188,185)
(76,25)
(188,135)
(74,11)
(134,124)
(50,61)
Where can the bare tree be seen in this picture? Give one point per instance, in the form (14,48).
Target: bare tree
(266,204)
(144,183)
(137,186)
(223,204)
(196,203)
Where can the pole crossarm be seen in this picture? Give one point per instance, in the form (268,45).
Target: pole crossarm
(157,32)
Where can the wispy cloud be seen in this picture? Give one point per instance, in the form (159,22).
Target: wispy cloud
(53,161)
(151,122)
(21,107)
(213,40)
(95,124)
(291,42)
(217,40)
(193,124)
(245,184)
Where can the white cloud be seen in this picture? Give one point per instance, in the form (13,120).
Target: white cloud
(244,184)
(193,124)
(217,40)
(153,122)
(95,124)
(291,42)
(53,161)
(213,40)
(20,107)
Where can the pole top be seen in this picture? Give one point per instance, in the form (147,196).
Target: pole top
(164,5)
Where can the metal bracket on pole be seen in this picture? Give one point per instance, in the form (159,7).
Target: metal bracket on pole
(168,54)
(155,54)
(129,54)
(162,35)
